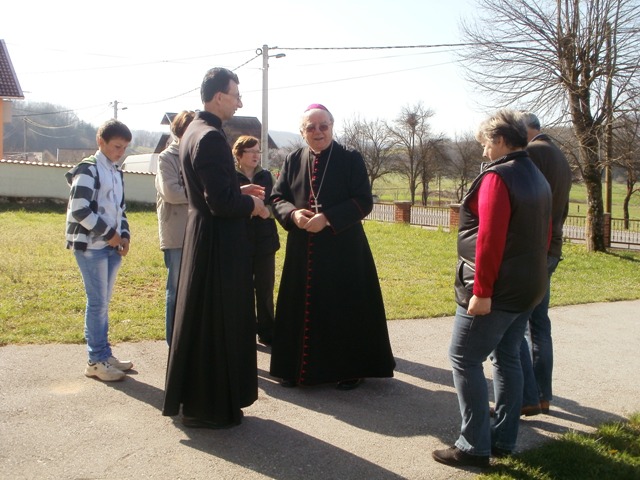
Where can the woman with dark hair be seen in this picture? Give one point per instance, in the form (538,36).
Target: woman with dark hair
(263,234)
(501,275)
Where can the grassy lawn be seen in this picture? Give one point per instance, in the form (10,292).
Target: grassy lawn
(611,452)
(43,299)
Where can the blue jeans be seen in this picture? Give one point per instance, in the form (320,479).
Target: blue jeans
(474,338)
(99,269)
(172,258)
(538,344)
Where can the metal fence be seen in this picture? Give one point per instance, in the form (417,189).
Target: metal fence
(430,216)
(383,212)
(623,234)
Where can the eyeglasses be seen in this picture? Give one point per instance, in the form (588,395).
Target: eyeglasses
(323,127)
(253,151)
(237,96)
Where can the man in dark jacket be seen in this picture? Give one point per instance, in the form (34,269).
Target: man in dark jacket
(537,374)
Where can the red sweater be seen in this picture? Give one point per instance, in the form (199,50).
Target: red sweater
(492,206)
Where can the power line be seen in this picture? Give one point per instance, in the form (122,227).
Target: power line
(389,47)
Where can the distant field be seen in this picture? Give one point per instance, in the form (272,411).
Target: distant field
(394,188)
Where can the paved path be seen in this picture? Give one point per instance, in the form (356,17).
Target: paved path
(57,424)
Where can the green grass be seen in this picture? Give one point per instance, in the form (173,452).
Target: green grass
(611,452)
(43,299)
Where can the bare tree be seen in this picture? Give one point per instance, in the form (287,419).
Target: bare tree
(411,134)
(567,59)
(371,139)
(627,155)
(277,156)
(432,162)
(464,162)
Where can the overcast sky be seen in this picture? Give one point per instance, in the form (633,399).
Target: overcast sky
(85,55)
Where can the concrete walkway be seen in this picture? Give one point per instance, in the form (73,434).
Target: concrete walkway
(57,424)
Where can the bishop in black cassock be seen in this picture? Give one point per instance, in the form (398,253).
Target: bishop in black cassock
(330,318)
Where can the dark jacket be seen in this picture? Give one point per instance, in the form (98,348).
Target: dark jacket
(212,366)
(263,232)
(555,168)
(522,278)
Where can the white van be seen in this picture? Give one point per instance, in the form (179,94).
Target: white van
(145,163)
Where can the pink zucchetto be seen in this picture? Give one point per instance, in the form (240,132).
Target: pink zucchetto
(316,106)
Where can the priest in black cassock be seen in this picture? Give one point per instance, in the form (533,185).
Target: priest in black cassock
(212,367)
(330,319)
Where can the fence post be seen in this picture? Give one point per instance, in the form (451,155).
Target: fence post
(454,216)
(607,230)
(402,212)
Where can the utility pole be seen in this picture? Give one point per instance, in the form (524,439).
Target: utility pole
(115,109)
(264,137)
(264,134)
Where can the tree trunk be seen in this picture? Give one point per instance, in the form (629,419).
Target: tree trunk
(595,209)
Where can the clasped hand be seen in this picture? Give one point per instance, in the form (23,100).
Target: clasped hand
(309,221)
(259,208)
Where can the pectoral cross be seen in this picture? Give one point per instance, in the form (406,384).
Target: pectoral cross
(316,207)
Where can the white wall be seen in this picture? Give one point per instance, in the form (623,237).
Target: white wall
(46,180)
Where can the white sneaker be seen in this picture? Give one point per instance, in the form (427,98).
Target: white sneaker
(122,365)
(104,372)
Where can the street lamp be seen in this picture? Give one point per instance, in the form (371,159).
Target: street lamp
(264,137)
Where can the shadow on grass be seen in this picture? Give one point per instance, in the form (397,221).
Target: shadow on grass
(624,256)
(55,205)
(32,205)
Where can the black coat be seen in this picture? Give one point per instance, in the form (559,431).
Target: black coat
(212,367)
(263,232)
(330,319)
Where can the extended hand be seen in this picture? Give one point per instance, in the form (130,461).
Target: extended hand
(254,190)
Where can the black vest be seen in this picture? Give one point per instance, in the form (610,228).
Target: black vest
(522,278)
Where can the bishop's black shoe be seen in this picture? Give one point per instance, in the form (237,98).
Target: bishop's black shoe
(349,384)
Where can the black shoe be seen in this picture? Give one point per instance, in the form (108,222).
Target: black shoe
(288,383)
(195,422)
(457,458)
(349,384)
(266,341)
(500,452)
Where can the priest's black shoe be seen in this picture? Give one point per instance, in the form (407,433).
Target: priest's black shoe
(349,384)
(288,383)
(455,457)
(195,422)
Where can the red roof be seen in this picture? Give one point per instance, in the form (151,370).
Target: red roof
(9,85)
